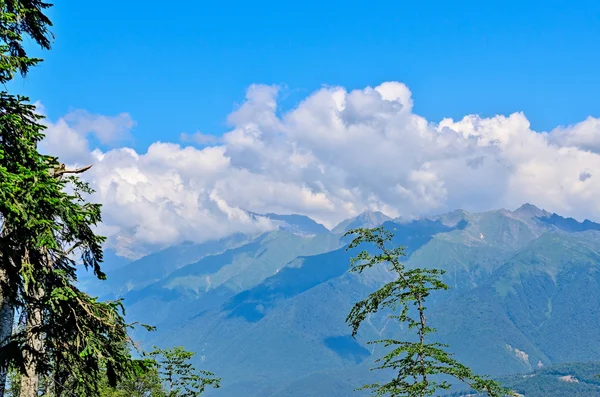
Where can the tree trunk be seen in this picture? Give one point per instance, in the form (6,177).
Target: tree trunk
(30,381)
(6,327)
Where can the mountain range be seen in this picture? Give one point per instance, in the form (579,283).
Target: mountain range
(267,312)
(558,380)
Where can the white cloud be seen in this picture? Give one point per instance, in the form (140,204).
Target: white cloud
(336,154)
(106,129)
(199,138)
(584,135)
(69,136)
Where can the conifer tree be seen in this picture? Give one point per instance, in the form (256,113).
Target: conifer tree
(67,336)
(19,19)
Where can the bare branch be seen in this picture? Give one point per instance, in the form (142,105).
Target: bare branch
(68,252)
(63,171)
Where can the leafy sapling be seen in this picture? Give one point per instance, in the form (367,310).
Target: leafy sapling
(422,368)
(180,378)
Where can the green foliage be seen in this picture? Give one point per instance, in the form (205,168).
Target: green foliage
(46,229)
(179,376)
(13,385)
(144,384)
(86,339)
(20,19)
(41,223)
(420,367)
(168,374)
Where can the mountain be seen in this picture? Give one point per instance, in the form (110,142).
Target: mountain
(528,210)
(537,295)
(366,219)
(297,224)
(217,277)
(267,313)
(133,275)
(571,380)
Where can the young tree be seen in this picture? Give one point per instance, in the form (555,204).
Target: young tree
(422,367)
(144,384)
(179,377)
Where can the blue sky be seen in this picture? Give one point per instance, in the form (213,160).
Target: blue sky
(183,66)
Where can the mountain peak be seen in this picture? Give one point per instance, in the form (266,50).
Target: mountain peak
(373,215)
(295,223)
(530,211)
(451,218)
(366,219)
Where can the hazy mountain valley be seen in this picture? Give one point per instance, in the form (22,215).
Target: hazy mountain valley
(267,312)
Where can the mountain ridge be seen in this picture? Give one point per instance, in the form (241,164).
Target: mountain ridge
(514,278)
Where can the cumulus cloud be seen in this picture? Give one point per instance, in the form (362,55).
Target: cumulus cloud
(69,137)
(106,129)
(199,138)
(335,155)
(584,135)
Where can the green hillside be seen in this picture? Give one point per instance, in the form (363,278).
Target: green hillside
(268,313)
(563,380)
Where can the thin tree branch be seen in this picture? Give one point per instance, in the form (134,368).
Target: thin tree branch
(68,252)
(75,171)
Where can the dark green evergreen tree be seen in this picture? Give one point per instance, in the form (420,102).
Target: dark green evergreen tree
(66,337)
(19,20)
